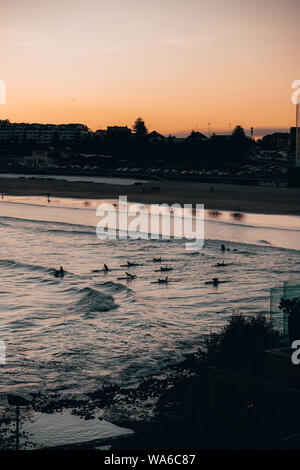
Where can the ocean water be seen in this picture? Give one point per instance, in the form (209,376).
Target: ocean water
(75,334)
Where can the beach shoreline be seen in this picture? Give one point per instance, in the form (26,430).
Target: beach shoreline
(235,198)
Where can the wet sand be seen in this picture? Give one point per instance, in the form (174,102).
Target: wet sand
(238,198)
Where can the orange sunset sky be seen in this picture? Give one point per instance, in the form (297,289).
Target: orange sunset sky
(178,63)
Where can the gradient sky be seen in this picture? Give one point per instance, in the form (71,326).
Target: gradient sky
(178,63)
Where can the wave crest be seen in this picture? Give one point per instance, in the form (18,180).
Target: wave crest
(93,301)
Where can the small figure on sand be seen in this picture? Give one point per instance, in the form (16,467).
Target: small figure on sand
(48,198)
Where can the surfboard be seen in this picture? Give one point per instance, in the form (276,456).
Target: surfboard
(215,284)
(130,265)
(126,278)
(163,270)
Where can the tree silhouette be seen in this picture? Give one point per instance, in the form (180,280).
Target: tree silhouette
(140,128)
(140,147)
(239,133)
(240,144)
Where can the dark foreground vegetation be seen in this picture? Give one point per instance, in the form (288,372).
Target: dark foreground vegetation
(216,398)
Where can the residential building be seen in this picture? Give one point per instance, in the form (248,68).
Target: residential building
(276,141)
(293,144)
(39,158)
(43,133)
(156,137)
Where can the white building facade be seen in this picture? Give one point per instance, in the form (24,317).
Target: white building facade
(43,133)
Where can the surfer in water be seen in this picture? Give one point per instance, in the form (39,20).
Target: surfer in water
(215,281)
(162,269)
(130,276)
(157,260)
(59,272)
(163,281)
(105,268)
(129,263)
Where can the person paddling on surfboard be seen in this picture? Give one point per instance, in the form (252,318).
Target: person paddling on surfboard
(130,276)
(163,281)
(105,268)
(166,268)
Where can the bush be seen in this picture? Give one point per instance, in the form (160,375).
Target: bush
(240,343)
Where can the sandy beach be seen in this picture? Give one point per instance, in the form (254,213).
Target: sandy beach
(253,199)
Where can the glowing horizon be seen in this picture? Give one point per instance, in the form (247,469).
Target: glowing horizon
(178,65)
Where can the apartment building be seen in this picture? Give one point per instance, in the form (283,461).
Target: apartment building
(43,133)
